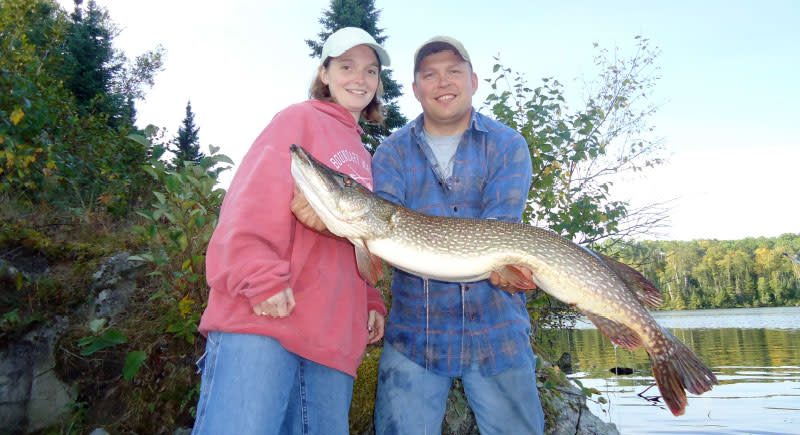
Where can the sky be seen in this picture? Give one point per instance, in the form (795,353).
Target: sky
(728,94)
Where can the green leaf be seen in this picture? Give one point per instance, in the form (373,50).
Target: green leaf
(138,138)
(155,296)
(173,183)
(110,338)
(142,257)
(133,362)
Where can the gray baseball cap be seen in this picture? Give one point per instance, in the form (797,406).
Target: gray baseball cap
(347,38)
(457,46)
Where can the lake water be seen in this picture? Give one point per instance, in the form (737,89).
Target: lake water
(754,352)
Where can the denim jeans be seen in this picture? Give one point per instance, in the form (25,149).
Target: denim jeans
(252,385)
(411,400)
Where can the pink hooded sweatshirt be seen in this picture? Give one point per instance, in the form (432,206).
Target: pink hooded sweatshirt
(259,248)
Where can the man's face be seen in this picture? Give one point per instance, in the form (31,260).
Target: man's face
(444,85)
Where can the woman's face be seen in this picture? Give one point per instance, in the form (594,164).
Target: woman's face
(352,78)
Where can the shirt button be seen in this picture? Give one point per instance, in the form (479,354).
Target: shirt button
(472,316)
(466,287)
(455,209)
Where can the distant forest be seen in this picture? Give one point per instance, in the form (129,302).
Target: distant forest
(753,272)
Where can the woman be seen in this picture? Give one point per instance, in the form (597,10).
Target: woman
(288,315)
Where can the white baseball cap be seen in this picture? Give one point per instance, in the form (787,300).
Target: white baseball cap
(347,38)
(439,42)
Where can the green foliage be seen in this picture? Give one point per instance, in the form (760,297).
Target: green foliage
(576,153)
(362,14)
(101,338)
(101,78)
(717,274)
(35,102)
(133,362)
(86,67)
(64,137)
(109,338)
(590,392)
(35,284)
(178,228)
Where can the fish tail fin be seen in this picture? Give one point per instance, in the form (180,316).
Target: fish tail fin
(675,368)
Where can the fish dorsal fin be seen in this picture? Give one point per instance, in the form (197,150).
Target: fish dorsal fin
(369,266)
(641,287)
(616,332)
(517,277)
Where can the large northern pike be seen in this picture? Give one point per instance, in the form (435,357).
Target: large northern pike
(609,293)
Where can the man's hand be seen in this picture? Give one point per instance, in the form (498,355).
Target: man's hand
(305,213)
(375,326)
(503,284)
(277,306)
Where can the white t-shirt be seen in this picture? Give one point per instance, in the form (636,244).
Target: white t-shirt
(444,149)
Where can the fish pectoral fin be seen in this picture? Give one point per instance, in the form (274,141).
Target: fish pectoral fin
(369,266)
(519,276)
(616,332)
(644,290)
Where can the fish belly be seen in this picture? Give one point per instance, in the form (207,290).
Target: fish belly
(429,263)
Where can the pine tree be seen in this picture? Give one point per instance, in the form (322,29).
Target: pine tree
(187,142)
(89,63)
(362,13)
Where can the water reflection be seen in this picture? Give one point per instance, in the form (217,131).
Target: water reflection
(758,370)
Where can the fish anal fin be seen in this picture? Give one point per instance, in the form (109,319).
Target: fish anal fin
(641,287)
(616,332)
(518,276)
(369,266)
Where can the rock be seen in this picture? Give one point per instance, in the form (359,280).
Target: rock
(15,383)
(31,396)
(115,282)
(621,370)
(458,416)
(565,362)
(573,417)
(564,406)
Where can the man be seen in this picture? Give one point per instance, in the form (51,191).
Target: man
(453,161)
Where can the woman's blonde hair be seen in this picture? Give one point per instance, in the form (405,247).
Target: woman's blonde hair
(373,113)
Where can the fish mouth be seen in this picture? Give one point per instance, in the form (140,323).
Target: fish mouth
(316,180)
(299,154)
(308,174)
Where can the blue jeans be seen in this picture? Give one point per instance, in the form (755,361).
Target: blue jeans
(252,385)
(411,400)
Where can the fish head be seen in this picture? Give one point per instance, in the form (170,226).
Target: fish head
(343,204)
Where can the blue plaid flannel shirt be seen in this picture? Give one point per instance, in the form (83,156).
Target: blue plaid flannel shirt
(472,321)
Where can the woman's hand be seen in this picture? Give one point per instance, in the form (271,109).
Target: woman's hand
(305,213)
(375,326)
(277,306)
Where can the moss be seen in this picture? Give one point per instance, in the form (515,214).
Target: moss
(364,391)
